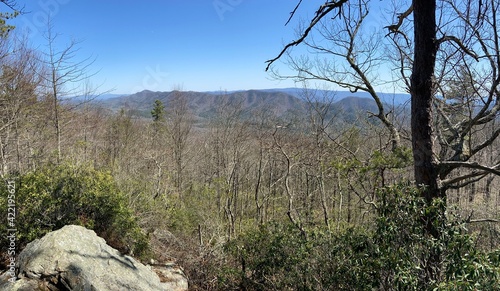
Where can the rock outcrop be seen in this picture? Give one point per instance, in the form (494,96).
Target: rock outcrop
(75,258)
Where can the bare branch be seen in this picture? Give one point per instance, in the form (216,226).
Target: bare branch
(460,44)
(480,171)
(295,219)
(471,178)
(472,165)
(11,4)
(487,142)
(401,17)
(324,10)
(483,220)
(293,12)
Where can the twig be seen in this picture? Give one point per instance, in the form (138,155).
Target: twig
(293,13)
(484,220)
(322,12)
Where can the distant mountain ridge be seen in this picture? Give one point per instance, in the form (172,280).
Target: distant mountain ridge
(281,102)
(389,98)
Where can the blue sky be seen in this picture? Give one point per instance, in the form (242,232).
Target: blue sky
(163,45)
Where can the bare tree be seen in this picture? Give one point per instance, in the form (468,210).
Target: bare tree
(352,56)
(179,124)
(19,83)
(63,77)
(322,116)
(262,129)
(290,163)
(227,148)
(443,37)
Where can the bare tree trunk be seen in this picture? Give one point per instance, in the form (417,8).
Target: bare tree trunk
(291,212)
(422,91)
(258,204)
(179,122)
(341,198)
(55,96)
(324,204)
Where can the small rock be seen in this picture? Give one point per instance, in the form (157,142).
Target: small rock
(171,274)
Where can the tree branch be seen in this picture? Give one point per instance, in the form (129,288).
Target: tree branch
(487,142)
(483,220)
(401,17)
(447,184)
(11,4)
(472,165)
(323,10)
(481,172)
(293,12)
(457,41)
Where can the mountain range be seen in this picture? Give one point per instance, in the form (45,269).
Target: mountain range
(282,102)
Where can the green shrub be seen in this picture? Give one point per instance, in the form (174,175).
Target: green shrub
(279,257)
(273,256)
(389,255)
(52,197)
(346,260)
(405,247)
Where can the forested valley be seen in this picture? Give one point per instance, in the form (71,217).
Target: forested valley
(300,195)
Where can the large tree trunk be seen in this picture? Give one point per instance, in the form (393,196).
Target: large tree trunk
(422,90)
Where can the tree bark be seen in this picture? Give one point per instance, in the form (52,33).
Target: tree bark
(422,91)
(426,166)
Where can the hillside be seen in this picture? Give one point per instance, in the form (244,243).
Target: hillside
(203,105)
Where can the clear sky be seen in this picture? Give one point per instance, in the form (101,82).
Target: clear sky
(160,45)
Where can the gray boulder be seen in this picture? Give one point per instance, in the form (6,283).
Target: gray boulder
(75,258)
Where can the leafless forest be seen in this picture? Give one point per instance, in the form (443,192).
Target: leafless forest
(207,181)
